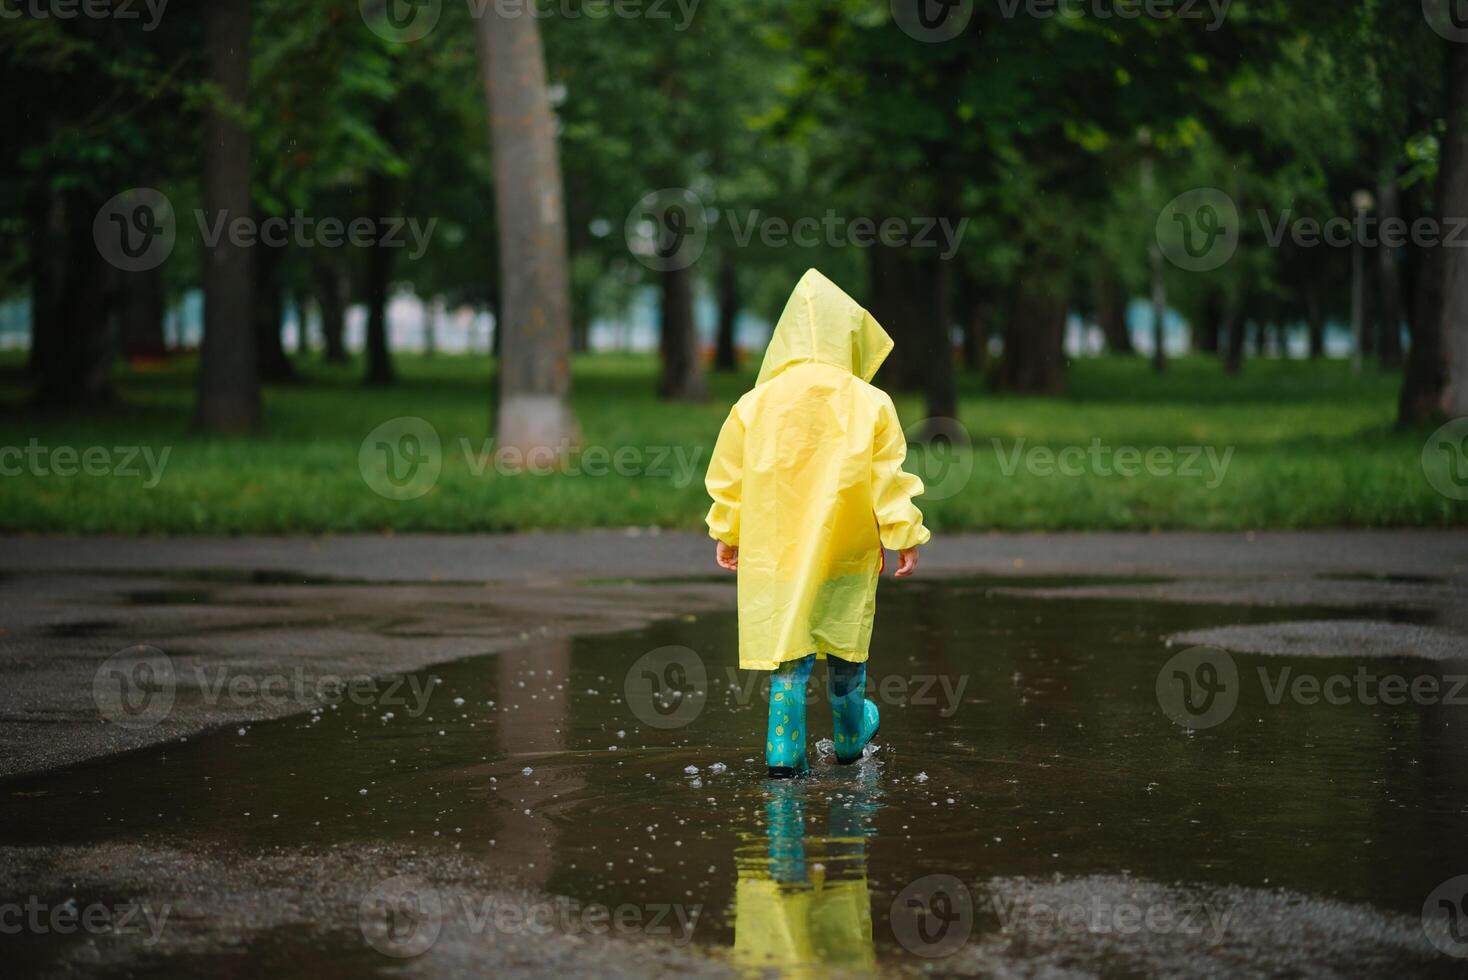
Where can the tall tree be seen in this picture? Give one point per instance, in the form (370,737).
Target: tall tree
(726,357)
(1436,378)
(229,383)
(1453,211)
(535,311)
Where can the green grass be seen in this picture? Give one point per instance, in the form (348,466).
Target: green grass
(1312,446)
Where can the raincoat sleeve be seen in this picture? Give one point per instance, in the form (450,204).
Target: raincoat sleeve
(899,523)
(725,480)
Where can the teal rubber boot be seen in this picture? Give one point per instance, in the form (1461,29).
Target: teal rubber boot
(785,736)
(854,718)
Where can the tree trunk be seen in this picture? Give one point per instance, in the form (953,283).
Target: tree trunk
(229,384)
(432,317)
(581,295)
(274,365)
(534,320)
(379,278)
(892,303)
(301,301)
(1315,318)
(1436,378)
(1034,340)
(912,299)
(74,343)
(1159,310)
(976,335)
(1210,323)
(1453,203)
(45,214)
(142,314)
(939,383)
(331,298)
(1111,310)
(726,357)
(1233,324)
(682,378)
(1389,280)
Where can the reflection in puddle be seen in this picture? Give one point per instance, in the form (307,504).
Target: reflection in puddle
(1022,742)
(802,899)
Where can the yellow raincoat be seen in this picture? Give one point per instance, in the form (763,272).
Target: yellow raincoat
(807,481)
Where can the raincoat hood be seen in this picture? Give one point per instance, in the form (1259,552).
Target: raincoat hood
(822,324)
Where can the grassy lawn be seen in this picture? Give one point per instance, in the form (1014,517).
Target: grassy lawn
(1289,444)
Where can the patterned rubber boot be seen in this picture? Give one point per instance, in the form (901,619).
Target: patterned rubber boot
(854,718)
(785,737)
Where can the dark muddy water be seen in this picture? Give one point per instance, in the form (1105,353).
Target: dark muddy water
(1022,740)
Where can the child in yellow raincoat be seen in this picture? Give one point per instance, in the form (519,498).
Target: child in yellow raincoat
(808,487)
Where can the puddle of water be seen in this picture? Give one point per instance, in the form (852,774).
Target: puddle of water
(167,597)
(1020,739)
(1394,578)
(82,629)
(266,576)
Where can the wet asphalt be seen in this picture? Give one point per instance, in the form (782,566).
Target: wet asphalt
(389,617)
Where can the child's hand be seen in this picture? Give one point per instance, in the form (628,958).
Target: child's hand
(727,555)
(906,562)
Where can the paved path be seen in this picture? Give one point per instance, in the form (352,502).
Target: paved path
(644,553)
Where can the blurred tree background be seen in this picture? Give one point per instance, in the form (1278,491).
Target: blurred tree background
(538,155)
